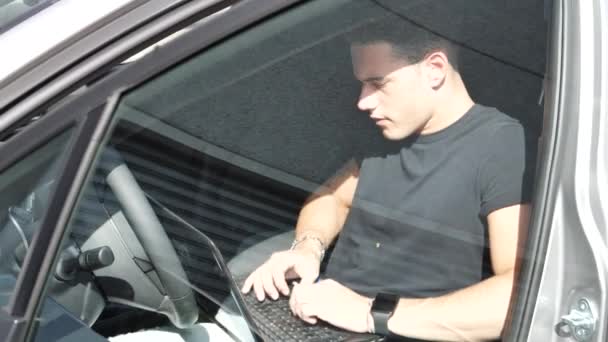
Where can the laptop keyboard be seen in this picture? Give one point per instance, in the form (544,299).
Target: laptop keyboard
(276,322)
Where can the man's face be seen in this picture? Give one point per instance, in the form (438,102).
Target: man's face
(393,92)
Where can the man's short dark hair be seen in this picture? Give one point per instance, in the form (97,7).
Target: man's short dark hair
(409,41)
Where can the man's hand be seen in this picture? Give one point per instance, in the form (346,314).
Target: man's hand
(334,303)
(271,277)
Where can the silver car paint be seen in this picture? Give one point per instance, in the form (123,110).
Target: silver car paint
(576,264)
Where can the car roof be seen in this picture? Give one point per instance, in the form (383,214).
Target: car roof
(32,37)
(41,74)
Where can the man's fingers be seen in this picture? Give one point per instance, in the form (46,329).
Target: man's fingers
(299,305)
(270,278)
(258,287)
(308,313)
(278,276)
(292,298)
(248,284)
(268,284)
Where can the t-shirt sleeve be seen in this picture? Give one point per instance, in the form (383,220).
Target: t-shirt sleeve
(506,174)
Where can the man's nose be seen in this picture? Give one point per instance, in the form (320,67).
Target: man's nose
(367,99)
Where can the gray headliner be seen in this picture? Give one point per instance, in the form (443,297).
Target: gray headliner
(283,108)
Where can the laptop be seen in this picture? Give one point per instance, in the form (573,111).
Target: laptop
(275,322)
(269,320)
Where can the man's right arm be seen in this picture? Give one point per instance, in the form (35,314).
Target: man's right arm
(320,221)
(324,213)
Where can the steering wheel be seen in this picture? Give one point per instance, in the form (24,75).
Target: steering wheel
(180,306)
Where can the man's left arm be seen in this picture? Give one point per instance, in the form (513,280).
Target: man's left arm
(477,312)
(473,313)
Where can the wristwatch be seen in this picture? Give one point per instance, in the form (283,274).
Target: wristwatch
(382,309)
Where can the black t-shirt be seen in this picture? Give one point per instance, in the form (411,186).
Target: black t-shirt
(417,226)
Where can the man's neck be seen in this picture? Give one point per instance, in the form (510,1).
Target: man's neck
(452,104)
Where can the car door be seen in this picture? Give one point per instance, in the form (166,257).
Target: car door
(31,124)
(41,172)
(565,266)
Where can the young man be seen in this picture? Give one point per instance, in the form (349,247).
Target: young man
(413,224)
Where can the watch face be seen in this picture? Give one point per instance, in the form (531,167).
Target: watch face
(385,302)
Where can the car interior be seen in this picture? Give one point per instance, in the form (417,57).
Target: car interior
(230,143)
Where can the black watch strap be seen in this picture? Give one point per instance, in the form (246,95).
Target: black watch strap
(382,309)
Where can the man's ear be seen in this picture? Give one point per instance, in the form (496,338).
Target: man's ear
(436,64)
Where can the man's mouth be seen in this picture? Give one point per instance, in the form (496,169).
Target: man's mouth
(380,121)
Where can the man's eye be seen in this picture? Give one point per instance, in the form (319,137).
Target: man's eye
(378,85)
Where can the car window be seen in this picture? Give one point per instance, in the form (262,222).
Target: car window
(217,160)
(26,188)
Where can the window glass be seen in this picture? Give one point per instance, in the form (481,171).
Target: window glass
(402,167)
(26,188)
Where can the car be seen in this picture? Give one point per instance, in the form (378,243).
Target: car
(153,151)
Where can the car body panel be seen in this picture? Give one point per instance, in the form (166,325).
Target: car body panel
(63,30)
(576,262)
(70,53)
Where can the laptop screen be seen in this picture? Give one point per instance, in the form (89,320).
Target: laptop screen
(217,294)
